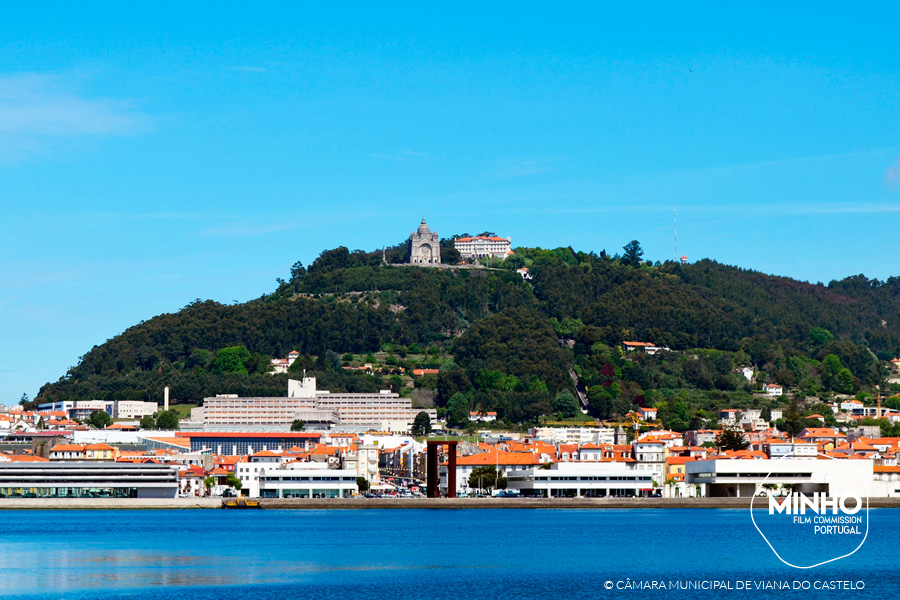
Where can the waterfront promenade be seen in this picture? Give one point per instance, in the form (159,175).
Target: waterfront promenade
(398,503)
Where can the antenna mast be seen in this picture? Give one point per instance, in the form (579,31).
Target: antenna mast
(676,231)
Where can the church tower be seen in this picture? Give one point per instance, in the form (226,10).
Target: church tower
(424,246)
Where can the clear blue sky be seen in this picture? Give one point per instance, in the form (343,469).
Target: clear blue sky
(149,157)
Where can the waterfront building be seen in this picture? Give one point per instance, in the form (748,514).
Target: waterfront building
(507,462)
(586,479)
(650,454)
(742,478)
(87,479)
(363,459)
(308,480)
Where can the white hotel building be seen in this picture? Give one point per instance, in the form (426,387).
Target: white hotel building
(483,246)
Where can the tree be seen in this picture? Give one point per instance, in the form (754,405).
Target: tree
(208,483)
(298,272)
(633,253)
(167,419)
(732,438)
(831,366)
(487,478)
(23,400)
(100,419)
(843,382)
(298,425)
(793,422)
(421,424)
(566,405)
(363,484)
(820,336)
(233,359)
(41,424)
(148,422)
(458,411)
(232,481)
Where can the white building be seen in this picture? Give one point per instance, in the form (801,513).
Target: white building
(651,458)
(117,409)
(772,389)
(792,449)
(574,435)
(283,365)
(307,480)
(483,417)
(742,478)
(483,246)
(384,411)
(363,461)
(588,479)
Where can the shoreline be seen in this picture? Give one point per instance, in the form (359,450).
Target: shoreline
(392,503)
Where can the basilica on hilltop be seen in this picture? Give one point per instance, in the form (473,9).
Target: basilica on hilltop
(424,246)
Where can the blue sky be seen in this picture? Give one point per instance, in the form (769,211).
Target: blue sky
(149,157)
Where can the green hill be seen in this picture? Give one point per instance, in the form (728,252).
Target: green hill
(503,334)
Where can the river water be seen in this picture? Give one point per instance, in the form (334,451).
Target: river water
(453,554)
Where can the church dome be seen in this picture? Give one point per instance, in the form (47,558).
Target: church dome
(423,228)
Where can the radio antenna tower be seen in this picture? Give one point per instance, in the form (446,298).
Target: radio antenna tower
(676,231)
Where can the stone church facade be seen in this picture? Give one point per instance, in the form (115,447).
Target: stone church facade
(424,246)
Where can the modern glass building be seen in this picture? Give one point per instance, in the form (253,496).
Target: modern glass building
(87,479)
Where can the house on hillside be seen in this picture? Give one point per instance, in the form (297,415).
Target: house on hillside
(645,347)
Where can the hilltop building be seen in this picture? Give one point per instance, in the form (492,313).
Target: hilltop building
(483,246)
(424,246)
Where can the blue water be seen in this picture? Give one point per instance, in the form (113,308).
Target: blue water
(454,554)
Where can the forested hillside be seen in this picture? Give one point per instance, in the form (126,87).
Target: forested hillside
(513,341)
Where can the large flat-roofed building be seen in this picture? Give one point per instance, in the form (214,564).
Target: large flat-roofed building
(241,443)
(588,479)
(307,480)
(117,409)
(742,478)
(385,411)
(87,479)
(232,410)
(319,409)
(575,435)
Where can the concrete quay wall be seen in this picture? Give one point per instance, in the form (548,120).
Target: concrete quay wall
(397,503)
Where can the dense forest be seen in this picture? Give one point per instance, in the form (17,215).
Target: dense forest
(513,342)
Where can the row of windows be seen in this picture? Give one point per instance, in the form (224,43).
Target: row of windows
(595,478)
(286,478)
(738,475)
(68,492)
